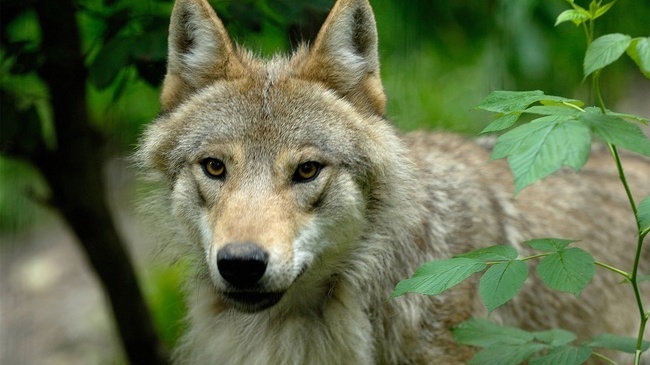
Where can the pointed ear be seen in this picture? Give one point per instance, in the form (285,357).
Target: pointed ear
(344,56)
(199,52)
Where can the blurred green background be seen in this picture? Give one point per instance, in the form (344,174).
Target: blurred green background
(439,59)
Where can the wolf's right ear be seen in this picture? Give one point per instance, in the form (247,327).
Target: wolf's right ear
(344,56)
(199,52)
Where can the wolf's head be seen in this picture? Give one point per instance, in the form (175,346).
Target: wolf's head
(274,166)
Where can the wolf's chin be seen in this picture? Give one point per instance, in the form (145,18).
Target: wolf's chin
(251,302)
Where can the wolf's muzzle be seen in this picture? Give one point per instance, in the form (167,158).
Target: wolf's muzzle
(242,264)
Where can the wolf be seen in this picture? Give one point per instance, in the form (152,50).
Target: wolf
(300,207)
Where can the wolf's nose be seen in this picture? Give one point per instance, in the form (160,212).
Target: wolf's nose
(242,264)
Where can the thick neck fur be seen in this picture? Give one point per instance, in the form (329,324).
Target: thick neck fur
(311,324)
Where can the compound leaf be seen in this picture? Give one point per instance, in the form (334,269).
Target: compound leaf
(565,355)
(501,282)
(568,270)
(605,50)
(434,277)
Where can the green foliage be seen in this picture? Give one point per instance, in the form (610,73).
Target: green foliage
(579,15)
(501,282)
(639,51)
(435,277)
(618,343)
(605,50)
(561,268)
(558,134)
(34,189)
(509,345)
(568,270)
(166,301)
(559,137)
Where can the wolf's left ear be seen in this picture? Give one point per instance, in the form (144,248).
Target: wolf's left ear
(344,56)
(200,52)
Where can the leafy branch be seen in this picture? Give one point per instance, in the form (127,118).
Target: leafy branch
(559,135)
(502,345)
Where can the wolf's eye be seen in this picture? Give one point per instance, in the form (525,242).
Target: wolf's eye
(307,172)
(214,168)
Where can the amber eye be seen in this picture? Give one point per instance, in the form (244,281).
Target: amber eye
(307,171)
(214,168)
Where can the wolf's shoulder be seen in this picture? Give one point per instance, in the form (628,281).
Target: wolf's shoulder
(445,152)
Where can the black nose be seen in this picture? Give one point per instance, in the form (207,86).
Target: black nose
(242,264)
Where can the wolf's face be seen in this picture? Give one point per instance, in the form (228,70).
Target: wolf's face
(264,187)
(269,163)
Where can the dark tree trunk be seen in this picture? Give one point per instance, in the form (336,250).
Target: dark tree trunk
(74,172)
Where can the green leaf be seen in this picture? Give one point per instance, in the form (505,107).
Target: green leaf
(482,333)
(601,10)
(565,355)
(502,101)
(635,118)
(574,15)
(605,50)
(540,148)
(555,109)
(639,51)
(549,244)
(492,253)
(503,122)
(555,337)
(616,131)
(110,60)
(506,354)
(510,104)
(434,277)
(568,270)
(560,101)
(643,214)
(615,342)
(501,282)
(515,140)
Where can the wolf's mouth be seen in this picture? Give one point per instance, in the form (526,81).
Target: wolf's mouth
(253,301)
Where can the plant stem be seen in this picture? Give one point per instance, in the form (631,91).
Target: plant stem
(639,246)
(639,300)
(536,256)
(604,358)
(621,175)
(613,269)
(597,94)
